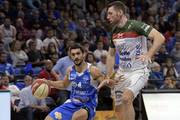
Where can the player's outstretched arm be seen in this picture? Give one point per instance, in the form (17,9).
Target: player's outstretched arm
(104,81)
(110,60)
(158,40)
(60,84)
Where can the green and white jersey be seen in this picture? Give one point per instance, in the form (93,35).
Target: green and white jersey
(131,42)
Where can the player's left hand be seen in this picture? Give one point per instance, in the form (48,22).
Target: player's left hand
(144,57)
(108,82)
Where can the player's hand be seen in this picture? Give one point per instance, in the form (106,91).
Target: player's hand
(45,80)
(107,82)
(144,57)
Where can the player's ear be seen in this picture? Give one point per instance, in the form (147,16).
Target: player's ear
(119,13)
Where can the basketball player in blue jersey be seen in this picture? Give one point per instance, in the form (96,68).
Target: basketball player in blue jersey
(84,79)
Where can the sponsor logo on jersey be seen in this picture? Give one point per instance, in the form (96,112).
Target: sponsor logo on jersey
(125,35)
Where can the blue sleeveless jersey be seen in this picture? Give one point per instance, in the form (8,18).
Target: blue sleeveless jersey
(83,95)
(83,87)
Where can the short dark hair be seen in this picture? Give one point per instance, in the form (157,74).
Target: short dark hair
(118,5)
(76,46)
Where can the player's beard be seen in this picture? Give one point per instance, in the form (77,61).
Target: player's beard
(79,63)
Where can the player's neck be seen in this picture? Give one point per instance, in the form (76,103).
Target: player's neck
(81,67)
(123,21)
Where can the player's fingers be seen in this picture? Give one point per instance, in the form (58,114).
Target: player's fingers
(101,84)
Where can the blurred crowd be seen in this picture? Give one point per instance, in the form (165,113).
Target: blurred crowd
(35,36)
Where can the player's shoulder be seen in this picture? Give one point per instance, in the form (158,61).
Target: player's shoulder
(69,69)
(94,70)
(134,22)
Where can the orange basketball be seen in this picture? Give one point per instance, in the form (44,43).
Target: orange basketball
(40,89)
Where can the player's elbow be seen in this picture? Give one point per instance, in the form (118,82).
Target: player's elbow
(161,38)
(157,36)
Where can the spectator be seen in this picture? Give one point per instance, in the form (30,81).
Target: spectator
(82,31)
(98,30)
(156,76)
(35,56)
(3,82)
(5,67)
(99,51)
(51,49)
(161,55)
(8,33)
(50,38)
(22,29)
(169,69)
(18,56)
(39,43)
(30,107)
(169,83)
(60,70)
(47,74)
(102,64)
(176,52)
(90,58)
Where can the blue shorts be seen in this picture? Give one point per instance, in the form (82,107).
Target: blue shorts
(65,111)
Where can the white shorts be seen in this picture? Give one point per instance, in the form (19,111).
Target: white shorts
(134,81)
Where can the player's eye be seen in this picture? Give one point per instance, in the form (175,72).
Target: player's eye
(78,53)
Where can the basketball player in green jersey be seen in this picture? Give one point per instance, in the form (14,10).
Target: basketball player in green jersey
(129,37)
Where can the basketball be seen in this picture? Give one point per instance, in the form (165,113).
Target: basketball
(40,89)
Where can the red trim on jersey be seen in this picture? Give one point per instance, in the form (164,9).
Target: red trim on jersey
(125,35)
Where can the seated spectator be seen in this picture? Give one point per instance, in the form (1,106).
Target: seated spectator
(22,29)
(8,33)
(156,76)
(60,70)
(99,51)
(102,64)
(30,107)
(161,56)
(83,32)
(5,67)
(35,56)
(90,58)
(50,38)
(3,79)
(47,74)
(54,58)
(169,68)
(39,43)
(51,49)
(4,84)
(176,52)
(18,56)
(98,30)
(169,83)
